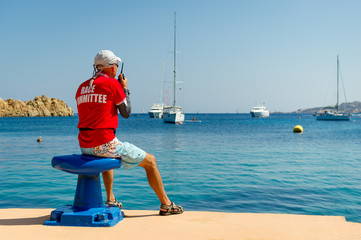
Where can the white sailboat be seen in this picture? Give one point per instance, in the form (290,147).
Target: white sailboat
(330,114)
(174,113)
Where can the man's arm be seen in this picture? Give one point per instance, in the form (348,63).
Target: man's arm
(125,107)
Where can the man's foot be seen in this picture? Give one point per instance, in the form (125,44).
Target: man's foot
(170,209)
(114,203)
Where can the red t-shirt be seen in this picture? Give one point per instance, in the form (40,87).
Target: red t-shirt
(97,110)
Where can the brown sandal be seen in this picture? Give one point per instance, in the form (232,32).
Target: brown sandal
(114,203)
(170,209)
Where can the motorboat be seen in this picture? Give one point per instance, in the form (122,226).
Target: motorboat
(260,112)
(156,111)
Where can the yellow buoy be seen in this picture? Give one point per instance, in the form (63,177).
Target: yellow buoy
(298,129)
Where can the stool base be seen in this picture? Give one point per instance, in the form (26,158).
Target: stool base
(92,217)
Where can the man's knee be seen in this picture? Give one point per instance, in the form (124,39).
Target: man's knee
(149,161)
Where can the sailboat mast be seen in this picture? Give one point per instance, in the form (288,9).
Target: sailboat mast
(161,86)
(174,71)
(337,83)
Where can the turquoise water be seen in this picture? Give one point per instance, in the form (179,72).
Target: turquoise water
(227,162)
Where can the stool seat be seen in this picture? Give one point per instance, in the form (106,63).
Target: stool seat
(84,164)
(88,208)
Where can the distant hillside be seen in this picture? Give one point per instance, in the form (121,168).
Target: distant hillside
(353,107)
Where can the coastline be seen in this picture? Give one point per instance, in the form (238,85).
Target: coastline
(17,223)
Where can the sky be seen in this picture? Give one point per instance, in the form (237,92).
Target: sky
(231,55)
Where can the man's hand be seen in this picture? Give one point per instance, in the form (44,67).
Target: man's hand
(123,81)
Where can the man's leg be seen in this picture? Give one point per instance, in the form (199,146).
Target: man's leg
(155,181)
(154,178)
(108,184)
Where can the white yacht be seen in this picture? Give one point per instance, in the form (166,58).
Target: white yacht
(174,114)
(260,111)
(156,111)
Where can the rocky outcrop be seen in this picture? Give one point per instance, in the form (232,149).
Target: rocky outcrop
(39,107)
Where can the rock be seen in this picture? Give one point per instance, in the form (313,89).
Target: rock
(39,107)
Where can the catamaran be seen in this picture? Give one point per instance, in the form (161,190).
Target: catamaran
(174,113)
(330,114)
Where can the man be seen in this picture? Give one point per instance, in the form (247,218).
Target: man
(98,101)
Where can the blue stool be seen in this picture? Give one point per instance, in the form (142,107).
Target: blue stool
(88,209)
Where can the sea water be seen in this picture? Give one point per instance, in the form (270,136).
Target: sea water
(226,162)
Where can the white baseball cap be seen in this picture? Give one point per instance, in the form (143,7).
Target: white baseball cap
(106,58)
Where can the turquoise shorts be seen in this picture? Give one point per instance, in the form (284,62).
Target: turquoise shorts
(130,155)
